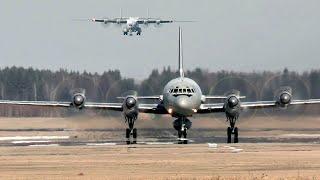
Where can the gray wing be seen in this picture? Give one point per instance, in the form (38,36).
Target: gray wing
(113,20)
(268,104)
(218,107)
(153,21)
(145,108)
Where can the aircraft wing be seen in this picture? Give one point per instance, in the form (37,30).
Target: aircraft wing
(145,108)
(268,104)
(218,107)
(113,20)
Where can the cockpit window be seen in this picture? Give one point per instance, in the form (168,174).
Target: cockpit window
(188,91)
(175,90)
(180,90)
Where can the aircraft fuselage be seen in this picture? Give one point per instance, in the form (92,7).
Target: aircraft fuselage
(182,97)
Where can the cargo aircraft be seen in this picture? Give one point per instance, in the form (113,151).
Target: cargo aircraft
(181,98)
(132,24)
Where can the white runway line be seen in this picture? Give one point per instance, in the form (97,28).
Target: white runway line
(212,145)
(300,135)
(159,143)
(43,145)
(233,149)
(28,142)
(101,144)
(12,138)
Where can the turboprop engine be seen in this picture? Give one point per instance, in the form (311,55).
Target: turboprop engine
(232,106)
(130,107)
(284,96)
(78,100)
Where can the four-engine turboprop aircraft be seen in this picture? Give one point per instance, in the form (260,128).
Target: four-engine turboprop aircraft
(132,24)
(181,98)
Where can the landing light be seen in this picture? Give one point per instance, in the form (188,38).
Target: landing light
(195,110)
(169,110)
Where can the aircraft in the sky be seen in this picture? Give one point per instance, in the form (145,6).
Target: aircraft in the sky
(181,98)
(132,24)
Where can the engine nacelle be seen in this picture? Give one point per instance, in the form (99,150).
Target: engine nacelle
(232,106)
(284,99)
(130,107)
(78,100)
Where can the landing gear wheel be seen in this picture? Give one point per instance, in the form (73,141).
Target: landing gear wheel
(179,134)
(134,136)
(138,33)
(236,140)
(125,33)
(229,132)
(128,136)
(185,136)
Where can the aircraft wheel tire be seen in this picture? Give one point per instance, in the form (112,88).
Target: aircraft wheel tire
(134,136)
(229,132)
(128,136)
(179,134)
(236,139)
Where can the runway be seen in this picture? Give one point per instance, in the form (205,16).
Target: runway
(162,161)
(41,148)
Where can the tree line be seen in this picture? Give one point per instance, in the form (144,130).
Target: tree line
(17,83)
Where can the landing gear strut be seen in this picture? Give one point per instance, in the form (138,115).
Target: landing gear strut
(131,131)
(232,130)
(182,124)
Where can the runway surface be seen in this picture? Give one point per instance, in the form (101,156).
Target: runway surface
(33,149)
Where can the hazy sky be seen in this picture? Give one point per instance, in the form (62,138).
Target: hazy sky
(240,35)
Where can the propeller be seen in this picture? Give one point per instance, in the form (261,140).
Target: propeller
(238,86)
(276,84)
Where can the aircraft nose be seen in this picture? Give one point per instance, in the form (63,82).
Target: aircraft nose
(183,102)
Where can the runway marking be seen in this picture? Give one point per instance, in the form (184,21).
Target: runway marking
(233,149)
(158,143)
(43,145)
(301,135)
(212,145)
(10,138)
(28,142)
(101,144)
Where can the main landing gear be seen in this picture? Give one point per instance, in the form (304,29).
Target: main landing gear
(182,124)
(232,130)
(131,133)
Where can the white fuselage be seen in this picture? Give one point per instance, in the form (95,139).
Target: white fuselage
(132,25)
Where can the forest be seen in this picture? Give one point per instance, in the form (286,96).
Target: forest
(17,83)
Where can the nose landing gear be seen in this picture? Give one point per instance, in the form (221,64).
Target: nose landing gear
(232,130)
(182,124)
(131,131)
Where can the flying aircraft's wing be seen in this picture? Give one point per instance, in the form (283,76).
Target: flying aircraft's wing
(146,108)
(218,107)
(158,21)
(113,20)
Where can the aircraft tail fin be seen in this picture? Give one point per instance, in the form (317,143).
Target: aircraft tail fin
(181,72)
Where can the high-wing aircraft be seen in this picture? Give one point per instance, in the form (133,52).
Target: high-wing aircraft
(181,98)
(132,24)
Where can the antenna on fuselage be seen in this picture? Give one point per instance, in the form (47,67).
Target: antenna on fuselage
(180,54)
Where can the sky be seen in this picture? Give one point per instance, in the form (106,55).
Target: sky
(238,35)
